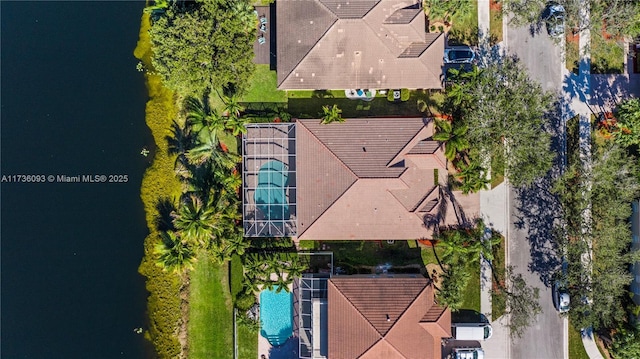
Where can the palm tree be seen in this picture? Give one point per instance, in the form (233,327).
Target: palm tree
(196,221)
(174,255)
(200,116)
(236,124)
(453,136)
(237,244)
(331,114)
(232,106)
(472,177)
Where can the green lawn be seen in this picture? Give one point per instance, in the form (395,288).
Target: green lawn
(247,342)
(308,104)
(210,311)
(464,26)
(263,87)
(576,348)
(471,295)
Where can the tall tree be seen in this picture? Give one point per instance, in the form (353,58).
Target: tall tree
(174,255)
(195,221)
(521,303)
(204,46)
(504,112)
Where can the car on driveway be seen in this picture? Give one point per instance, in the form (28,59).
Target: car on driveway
(554,15)
(561,298)
(459,55)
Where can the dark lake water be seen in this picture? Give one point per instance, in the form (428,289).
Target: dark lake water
(72,103)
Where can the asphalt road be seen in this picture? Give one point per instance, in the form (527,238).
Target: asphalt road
(532,248)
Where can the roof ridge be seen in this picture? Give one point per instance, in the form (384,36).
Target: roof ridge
(329,149)
(284,79)
(308,226)
(395,158)
(339,290)
(383,339)
(411,304)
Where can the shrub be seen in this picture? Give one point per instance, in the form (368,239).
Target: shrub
(236,276)
(245,300)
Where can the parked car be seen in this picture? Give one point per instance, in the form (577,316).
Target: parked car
(471,331)
(468,353)
(554,15)
(459,55)
(561,298)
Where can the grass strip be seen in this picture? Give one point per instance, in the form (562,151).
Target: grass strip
(210,314)
(576,347)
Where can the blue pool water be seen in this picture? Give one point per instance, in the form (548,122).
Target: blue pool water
(276,315)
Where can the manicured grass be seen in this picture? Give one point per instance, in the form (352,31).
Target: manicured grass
(576,348)
(210,311)
(428,257)
(607,56)
(471,295)
(498,301)
(308,104)
(247,342)
(495,25)
(263,87)
(464,26)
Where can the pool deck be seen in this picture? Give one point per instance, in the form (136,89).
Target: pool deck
(289,350)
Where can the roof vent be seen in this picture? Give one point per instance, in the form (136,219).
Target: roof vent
(388,318)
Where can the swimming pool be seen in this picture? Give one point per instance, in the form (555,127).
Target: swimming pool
(276,315)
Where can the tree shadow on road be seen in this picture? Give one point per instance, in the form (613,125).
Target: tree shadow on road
(538,208)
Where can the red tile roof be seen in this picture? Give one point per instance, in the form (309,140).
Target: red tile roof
(385,318)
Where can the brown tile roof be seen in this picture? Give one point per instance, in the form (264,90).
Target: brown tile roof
(325,178)
(386,191)
(367,146)
(339,44)
(394,308)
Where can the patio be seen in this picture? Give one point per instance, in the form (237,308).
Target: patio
(264,47)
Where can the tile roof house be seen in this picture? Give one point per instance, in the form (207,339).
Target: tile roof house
(373,179)
(350,44)
(391,318)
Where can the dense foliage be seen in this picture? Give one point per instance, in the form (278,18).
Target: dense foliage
(616,17)
(461,249)
(503,113)
(205,46)
(627,124)
(596,233)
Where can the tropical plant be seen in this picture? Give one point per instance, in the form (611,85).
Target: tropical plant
(331,114)
(174,255)
(626,342)
(628,123)
(232,106)
(195,221)
(452,136)
(472,176)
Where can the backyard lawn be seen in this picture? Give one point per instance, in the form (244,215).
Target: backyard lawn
(209,303)
(263,87)
(308,104)
(247,342)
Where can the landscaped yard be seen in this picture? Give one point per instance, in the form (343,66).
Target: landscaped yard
(498,302)
(607,56)
(495,22)
(210,311)
(308,104)
(247,342)
(576,348)
(363,256)
(263,87)
(464,26)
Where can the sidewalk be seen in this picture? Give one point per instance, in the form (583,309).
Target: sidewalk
(494,211)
